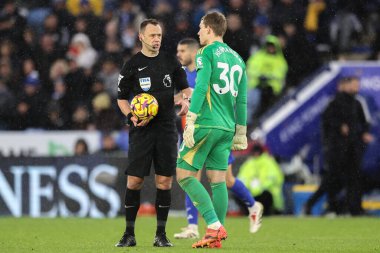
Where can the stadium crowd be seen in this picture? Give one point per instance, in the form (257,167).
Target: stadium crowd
(60,59)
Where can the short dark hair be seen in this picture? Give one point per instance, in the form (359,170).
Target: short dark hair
(347,79)
(146,22)
(216,21)
(191,42)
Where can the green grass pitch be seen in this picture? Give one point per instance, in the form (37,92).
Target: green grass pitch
(278,234)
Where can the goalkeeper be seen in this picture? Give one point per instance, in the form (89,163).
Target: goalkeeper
(216,121)
(186,51)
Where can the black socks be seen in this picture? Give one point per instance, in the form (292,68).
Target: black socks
(132,205)
(163,201)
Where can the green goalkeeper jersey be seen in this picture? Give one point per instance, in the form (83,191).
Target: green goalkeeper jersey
(220,95)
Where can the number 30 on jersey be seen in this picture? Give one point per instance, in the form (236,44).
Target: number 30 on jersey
(227,76)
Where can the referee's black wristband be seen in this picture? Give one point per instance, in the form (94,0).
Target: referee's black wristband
(129,121)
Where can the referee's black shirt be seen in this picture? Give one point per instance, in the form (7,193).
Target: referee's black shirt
(159,76)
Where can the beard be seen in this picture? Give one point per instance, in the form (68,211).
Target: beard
(186,62)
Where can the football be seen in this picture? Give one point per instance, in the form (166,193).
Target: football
(144,106)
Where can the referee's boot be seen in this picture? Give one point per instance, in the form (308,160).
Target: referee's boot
(161,240)
(126,241)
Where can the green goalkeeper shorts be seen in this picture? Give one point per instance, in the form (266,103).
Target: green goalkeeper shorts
(212,148)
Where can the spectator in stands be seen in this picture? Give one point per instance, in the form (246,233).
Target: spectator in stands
(109,74)
(266,70)
(114,50)
(12,23)
(182,29)
(105,117)
(54,120)
(129,14)
(82,52)
(97,87)
(111,30)
(185,7)
(113,43)
(7,53)
(81,118)
(345,133)
(345,27)
(78,7)
(285,11)
(261,7)
(65,19)
(241,8)
(60,34)
(164,13)
(7,107)
(7,75)
(46,53)
(261,29)
(262,175)
(128,38)
(237,37)
(314,20)
(129,18)
(31,105)
(299,53)
(90,24)
(81,147)
(29,68)
(109,146)
(27,44)
(58,70)
(59,107)
(78,83)
(375,28)
(203,8)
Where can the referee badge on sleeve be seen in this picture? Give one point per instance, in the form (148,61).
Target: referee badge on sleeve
(145,83)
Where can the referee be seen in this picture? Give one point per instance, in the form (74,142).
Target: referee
(158,74)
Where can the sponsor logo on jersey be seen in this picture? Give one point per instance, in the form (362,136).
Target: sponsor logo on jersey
(145,83)
(167,81)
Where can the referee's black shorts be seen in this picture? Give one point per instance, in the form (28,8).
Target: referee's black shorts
(157,142)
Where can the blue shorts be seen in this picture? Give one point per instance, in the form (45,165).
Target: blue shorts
(231,159)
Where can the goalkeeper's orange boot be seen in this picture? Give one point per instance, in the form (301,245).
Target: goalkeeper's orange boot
(216,244)
(212,238)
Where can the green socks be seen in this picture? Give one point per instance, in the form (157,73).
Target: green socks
(220,200)
(200,198)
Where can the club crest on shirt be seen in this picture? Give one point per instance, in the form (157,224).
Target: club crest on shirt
(167,81)
(145,83)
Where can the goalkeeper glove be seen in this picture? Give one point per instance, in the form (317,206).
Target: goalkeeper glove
(188,133)
(240,139)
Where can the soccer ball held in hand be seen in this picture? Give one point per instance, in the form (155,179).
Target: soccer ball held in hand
(144,106)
